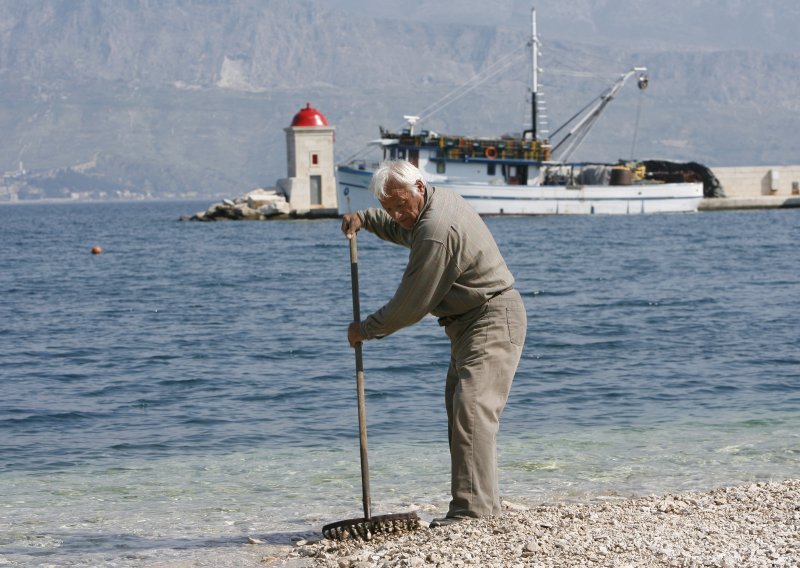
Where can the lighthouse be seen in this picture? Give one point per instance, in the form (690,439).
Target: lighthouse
(310,185)
(309,188)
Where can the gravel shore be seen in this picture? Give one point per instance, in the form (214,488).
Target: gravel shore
(755,525)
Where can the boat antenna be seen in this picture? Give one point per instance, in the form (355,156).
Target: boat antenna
(411,120)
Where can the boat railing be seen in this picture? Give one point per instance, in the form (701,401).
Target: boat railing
(460,148)
(361,165)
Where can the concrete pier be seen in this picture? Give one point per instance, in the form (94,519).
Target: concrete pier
(756,187)
(756,202)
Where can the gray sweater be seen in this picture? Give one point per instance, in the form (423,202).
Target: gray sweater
(454,264)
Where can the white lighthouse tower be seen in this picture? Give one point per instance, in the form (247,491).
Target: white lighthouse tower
(311,183)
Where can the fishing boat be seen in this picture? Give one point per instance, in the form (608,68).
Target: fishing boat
(530,173)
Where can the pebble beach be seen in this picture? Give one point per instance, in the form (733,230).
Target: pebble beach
(756,525)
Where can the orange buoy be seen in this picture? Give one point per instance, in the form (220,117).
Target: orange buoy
(96,250)
(491,152)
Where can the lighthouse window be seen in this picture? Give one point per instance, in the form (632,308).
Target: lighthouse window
(314,159)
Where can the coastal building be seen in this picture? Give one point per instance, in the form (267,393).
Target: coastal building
(309,188)
(310,185)
(756,187)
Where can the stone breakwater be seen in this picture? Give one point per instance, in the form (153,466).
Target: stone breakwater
(748,526)
(257,205)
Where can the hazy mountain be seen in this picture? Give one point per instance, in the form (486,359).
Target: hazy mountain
(177,96)
(765,25)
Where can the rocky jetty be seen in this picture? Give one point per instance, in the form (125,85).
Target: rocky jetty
(755,525)
(257,205)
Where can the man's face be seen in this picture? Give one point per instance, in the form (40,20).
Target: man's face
(402,204)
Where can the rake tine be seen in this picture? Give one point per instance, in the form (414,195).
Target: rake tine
(366,528)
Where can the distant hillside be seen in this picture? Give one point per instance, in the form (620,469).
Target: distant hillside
(177,97)
(766,25)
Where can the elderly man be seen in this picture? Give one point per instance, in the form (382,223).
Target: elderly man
(455,271)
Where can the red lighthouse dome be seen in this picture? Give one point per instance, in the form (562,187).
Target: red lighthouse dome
(309,117)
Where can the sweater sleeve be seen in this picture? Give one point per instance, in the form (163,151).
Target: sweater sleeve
(429,275)
(378,222)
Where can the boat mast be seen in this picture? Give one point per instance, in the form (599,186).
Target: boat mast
(534,73)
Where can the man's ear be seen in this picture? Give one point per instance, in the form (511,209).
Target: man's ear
(420,186)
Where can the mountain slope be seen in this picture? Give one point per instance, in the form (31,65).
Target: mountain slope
(179,96)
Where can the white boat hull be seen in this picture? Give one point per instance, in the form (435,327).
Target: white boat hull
(487,199)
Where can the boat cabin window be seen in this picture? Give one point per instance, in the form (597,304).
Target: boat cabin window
(516,175)
(491,169)
(440,167)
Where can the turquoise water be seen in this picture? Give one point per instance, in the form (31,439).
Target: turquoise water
(192,385)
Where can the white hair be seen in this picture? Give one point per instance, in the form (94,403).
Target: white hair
(402,172)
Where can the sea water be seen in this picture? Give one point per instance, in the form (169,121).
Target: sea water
(192,386)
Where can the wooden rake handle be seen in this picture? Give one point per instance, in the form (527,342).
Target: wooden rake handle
(362,408)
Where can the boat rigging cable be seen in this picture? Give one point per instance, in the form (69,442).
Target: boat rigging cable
(578,133)
(490,72)
(636,122)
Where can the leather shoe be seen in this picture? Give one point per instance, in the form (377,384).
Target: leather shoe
(445,522)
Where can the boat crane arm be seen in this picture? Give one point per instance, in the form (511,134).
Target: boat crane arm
(578,133)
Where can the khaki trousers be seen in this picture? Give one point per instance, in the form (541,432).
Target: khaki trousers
(486,345)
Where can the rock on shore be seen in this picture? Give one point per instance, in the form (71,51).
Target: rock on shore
(749,526)
(257,205)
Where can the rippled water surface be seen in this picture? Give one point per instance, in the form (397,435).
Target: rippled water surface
(192,385)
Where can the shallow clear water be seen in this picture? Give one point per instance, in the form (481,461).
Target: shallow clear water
(192,385)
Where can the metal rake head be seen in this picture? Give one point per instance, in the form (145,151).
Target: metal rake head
(364,529)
